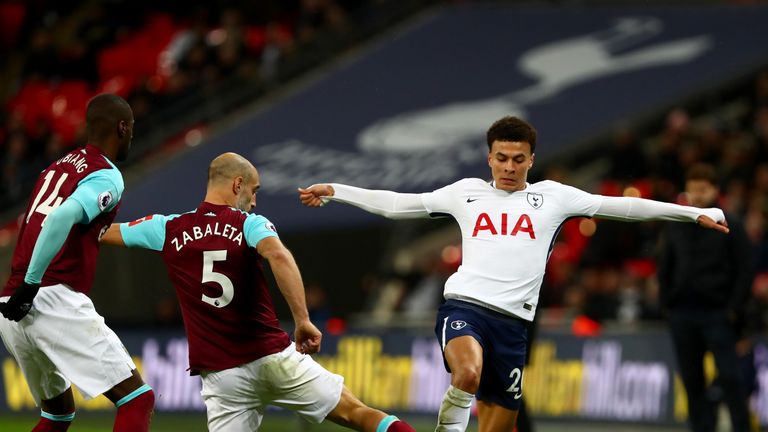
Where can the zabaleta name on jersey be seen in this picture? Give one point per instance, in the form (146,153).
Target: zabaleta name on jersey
(197,233)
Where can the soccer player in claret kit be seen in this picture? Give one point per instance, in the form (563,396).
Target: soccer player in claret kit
(508,227)
(52,328)
(213,255)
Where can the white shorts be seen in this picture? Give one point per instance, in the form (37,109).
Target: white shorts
(64,340)
(236,398)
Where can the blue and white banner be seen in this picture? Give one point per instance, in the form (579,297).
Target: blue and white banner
(410,112)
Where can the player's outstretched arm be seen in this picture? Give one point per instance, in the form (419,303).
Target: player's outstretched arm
(288,278)
(146,233)
(316,195)
(389,204)
(707,222)
(631,209)
(113,236)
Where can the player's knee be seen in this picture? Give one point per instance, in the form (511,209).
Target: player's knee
(150,401)
(143,401)
(466,378)
(349,409)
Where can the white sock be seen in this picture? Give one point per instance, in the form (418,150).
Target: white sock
(454,411)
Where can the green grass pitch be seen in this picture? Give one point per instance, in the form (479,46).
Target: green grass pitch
(191,422)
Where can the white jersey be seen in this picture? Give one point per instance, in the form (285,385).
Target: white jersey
(507,238)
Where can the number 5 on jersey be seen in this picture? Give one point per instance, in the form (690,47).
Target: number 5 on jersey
(228,290)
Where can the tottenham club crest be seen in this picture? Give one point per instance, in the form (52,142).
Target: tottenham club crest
(536,200)
(458,324)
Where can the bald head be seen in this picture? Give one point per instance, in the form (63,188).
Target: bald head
(227,166)
(103,117)
(232,180)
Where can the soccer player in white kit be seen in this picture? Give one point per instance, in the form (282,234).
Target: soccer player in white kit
(508,227)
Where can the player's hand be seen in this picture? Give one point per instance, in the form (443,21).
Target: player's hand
(308,338)
(20,303)
(313,195)
(708,222)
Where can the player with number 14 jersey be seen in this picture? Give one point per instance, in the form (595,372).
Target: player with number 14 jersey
(101,188)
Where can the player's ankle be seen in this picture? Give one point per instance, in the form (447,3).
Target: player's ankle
(393,424)
(459,397)
(135,414)
(53,422)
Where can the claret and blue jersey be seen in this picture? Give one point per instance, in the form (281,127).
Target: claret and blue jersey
(84,175)
(211,257)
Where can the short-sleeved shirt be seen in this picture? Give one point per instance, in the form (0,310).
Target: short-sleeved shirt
(211,258)
(87,176)
(507,238)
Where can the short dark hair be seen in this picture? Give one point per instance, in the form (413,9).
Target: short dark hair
(103,113)
(512,129)
(702,171)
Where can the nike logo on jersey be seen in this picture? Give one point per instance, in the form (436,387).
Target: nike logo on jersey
(469,200)
(210,214)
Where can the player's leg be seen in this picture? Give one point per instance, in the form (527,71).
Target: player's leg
(493,417)
(135,402)
(690,350)
(460,340)
(50,389)
(464,356)
(233,398)
(352,413)
(57,413)
(721,341)
(304,386)
(502,354)
(70,332)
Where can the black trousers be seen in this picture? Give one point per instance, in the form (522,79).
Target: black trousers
(694,332)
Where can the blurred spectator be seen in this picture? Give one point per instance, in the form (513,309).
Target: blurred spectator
(628,161)
(760,97)
(16,172)
(318,14)
(209,44)
(705,279)
(677,135)
(317,305)
(761,132)
(154,58)
(42,59)
(757,309)
(426,295)
(277,44)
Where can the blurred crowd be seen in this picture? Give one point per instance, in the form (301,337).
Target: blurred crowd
(59,54)
(614,278)
(605,271)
